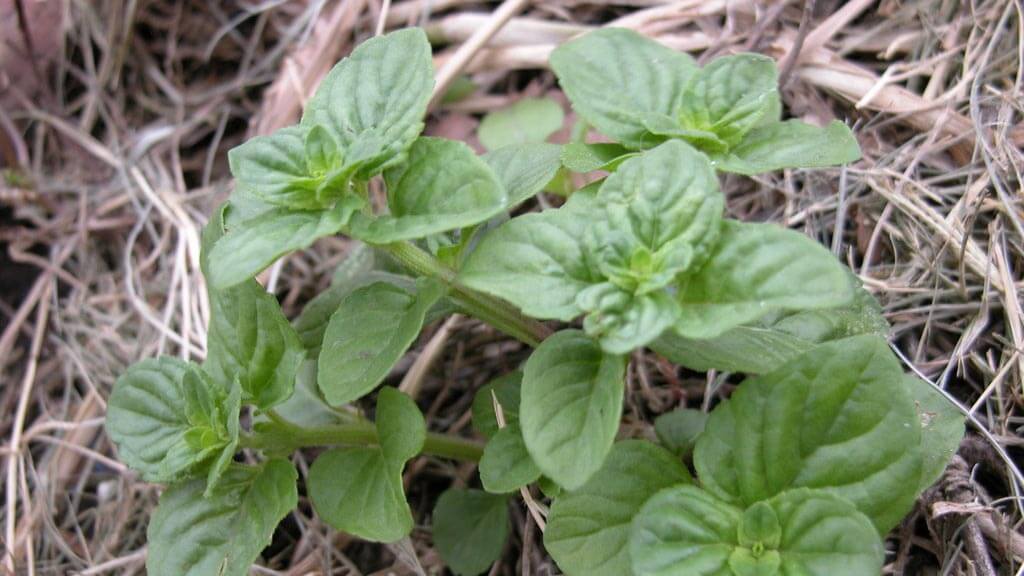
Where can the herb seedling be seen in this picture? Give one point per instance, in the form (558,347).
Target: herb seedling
(828,435)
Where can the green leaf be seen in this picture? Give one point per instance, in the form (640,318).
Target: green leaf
(523,170)
(359,490)
(373,102)
(790,144)
(622,321)
(583,158)
(666,198)
(942,429)
(753,270)
(251,246)
(537,261)
(730,96)
(368,334)
(193,535)
(571,406)
(764,345)
(276,169)
(312,323)
(528,121)
(443,186)
(678,430)
(684,530)
(588,529)
(305,407)
(250,339)
(614,77)
(470,529)
(835,418)
(167,417)
(506,465)
(506,388)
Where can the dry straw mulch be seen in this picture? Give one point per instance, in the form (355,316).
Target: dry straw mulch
(115,116)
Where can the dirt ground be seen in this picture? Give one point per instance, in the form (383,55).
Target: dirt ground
(115,119)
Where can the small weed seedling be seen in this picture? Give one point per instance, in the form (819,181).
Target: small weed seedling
(803,470)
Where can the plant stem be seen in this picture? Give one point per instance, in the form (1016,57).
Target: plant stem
(284,436)
(485,307)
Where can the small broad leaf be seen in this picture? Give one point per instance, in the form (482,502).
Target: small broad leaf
(506,465)
(678,430)
(766,344)
(942,429)
(251,246)
(790,144)
(536,261)
(730,96)
(470,529)
(368,334)
(685,530)
(373,102)
(224,533)
(167,417)
(528,121)
(359,490)
(588,529)
(274,168)
(622,321)
(583,158)
(669,194)
(523,170)
(506,390)
(614,77)
(250,339)
(753,270)
(443,186)
(571,406)
(835,418)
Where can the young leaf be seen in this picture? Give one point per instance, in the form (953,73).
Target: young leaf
(835,418)
(274,169)
(443,186)
(536,261)
(375,99)
(588,529)
(790,144)
(753,270)
(766,344)
(506,388)
(470,528)
(614,77)
(359,490)
(678,430)
(166,417)
(942,429)
(571,406)
(251,246)
(506,465)
(371,331)
(622,321)
(684,530)
(528,121)
(730,96)
(523,170)
(250,339)
(224,533)
(667,194)
(583,158)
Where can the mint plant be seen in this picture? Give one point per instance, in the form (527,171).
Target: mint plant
(820,452)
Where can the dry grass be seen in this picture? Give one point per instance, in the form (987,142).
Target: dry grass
(114,138)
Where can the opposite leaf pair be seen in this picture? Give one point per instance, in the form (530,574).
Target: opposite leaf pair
(641,93)
(649,251)
(800,471)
